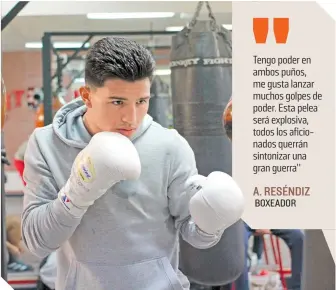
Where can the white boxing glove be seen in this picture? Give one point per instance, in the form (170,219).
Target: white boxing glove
(218,202)
(106,160)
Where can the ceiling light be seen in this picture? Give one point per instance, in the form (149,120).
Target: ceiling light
(33,45)
(162,72)
(179,28)
(70,44)
(227,26)
(130,15)
(58,45)
(185,15)
(174,28)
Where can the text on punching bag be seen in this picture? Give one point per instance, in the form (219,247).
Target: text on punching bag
(225,61)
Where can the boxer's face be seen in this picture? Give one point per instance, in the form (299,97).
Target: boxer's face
(118,106)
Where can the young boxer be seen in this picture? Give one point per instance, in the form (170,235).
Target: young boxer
(112,190)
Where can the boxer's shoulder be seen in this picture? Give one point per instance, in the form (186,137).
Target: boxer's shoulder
(164,136)
(43,135)
(43,132)
(46,141)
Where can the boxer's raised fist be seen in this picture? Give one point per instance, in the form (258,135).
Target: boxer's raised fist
(218,202)
(106,160)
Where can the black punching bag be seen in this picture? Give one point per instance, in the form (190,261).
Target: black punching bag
(201,81)
(318,263)
(160,102)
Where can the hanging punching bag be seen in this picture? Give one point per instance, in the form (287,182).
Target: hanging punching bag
(318,263)
(159,104)
(201,80)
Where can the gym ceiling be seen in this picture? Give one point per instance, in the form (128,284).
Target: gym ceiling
(25,31)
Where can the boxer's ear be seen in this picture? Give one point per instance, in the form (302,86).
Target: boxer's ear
(85,93)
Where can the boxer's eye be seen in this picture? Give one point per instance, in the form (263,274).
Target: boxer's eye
(117,103)
(142,101)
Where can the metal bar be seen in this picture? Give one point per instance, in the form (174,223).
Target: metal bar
(12,14)
(46,73)
(3,227)
(78,50)
(3,214)
(59,73)
(55,51)
(70,49)
(159,47)
(281,272)
(265,249)
(162,56)
(78,75)
(102,33)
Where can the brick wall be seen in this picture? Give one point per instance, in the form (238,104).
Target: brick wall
(20,70)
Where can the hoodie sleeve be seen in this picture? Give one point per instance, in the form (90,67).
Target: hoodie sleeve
(183,166)
(45,223)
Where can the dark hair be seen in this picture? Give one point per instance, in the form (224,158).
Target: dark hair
(118,58)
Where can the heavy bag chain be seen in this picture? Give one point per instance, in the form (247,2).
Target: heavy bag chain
(213,22)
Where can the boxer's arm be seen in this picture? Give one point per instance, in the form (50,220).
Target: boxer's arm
(183,166)
(45,222)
